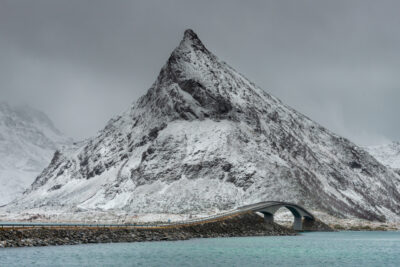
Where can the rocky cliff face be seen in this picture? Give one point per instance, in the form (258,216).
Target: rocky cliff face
(28,140)
(204,138)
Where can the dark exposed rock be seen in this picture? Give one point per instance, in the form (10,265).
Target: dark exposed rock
(57,186)
(206,99)
(227,167)
(154,132)
(355,165)
(56,157)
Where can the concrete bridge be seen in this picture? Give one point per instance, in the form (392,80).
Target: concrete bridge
(268,209)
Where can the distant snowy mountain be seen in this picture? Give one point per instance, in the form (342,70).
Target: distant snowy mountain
(206,138)
(28,140)
(388,154)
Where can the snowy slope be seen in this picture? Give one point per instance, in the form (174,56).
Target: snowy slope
(388,154)
(28,141)
(206,138)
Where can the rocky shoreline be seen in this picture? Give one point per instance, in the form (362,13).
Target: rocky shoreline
(248,224)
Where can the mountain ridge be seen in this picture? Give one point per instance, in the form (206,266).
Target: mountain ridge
(205,138)
(28,139)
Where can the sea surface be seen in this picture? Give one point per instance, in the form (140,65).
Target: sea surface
(308,249)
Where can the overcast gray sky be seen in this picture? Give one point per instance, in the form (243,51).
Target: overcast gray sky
(83,62)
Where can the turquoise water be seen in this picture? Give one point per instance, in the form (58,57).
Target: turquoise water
(309,249)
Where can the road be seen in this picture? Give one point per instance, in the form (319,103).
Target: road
(261,206)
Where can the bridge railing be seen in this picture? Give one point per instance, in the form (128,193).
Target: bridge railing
(100,225)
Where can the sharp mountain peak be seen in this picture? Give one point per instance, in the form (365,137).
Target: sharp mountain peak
(190,35)
(206,137)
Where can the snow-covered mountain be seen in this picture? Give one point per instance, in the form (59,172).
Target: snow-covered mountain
(388,154)
(204,137)
(28,140)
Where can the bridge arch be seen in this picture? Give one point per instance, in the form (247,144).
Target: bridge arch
(268,209)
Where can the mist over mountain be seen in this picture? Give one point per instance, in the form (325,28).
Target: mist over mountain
(387,154)
(28,140)
(205,138)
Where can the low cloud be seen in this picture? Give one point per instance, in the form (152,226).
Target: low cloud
(83,62)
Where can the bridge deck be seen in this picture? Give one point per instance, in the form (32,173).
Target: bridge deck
(257,207)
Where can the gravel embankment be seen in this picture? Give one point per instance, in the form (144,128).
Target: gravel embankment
(241,225)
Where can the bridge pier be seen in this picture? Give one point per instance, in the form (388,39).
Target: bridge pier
(298,223)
